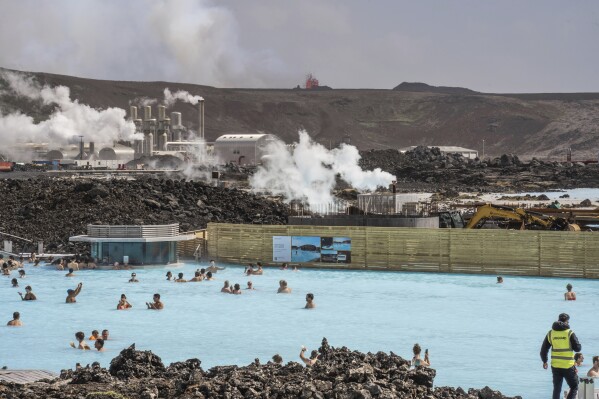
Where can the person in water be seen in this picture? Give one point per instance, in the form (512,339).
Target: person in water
(71,294)
(416,360)
(499,280)
(169,275)
(21,273)
(99,345)
(313,357)
(284,267)
(569,295)
(283,288)
(95,335)
(123,303)
(197,277)
(105,335)
(226,288)
(180,279)
(209,276)
(133,278)
(81,344)
(29,295)
(14,282)
(70,273)
(236,289)
(213,268)
(16,320)
(594,371)
(250,286)
(310,301)
(258,271)
(157,304)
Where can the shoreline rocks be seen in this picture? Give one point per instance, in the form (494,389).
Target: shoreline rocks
(339,373)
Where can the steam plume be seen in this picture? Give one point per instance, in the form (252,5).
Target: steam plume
(307,172)
(182,95)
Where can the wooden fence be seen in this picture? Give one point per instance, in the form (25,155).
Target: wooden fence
(501,252)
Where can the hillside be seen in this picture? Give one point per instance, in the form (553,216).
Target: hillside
(541,125)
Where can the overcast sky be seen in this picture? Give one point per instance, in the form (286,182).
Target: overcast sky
(489,46)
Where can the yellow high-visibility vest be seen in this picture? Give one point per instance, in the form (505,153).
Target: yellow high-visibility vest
(562,355)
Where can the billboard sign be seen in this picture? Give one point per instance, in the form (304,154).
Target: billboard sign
(311,249)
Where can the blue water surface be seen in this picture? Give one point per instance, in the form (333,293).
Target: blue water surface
(478,332)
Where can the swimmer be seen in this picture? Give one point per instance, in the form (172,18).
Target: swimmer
(81,344)
(60,265)
(283,267)
(29,295)
(157,304)
(169,275)
(105,335)
(236,289)
(72,264)
(594,371)
(313,357)
(250,286)
(277,359)
(283,288)
(5,270)
(226,288)
(203,273)
(209,276)
(180,279)
(71,294)
(213,268)
(70,273)
(16,320)
(310,301)
(259,271)
(569,295)
(99,345)
(416,360)
(295,269)
(123,303)
(249,269)
(133,278)
(95,335)
(21,273)
(14,282)
(499,280)
(197,277)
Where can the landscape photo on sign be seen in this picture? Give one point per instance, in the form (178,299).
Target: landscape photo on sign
(305,249)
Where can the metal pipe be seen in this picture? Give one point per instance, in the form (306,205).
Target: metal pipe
(201,119)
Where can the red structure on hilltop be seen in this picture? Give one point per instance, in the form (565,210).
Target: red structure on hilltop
(311,81)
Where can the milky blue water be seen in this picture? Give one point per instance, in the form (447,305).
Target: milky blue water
(478,332)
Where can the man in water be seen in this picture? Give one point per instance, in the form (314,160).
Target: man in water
(569,295)
(29,296)
(594,371)
(250,286)
(180,279)
(14,282)
(213,268)
(236,289)
(283,288)
(197,277)
(71,294)
(73,265)
(99,345)
(133,278)
(499,280)
(105,335)
(209,276)
(310,301)
(70,273)
(226,289)
(313,357)
(21,273)
(157,304)
(563,343)
(16,320)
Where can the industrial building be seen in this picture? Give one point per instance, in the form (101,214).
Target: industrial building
(465,152)
(242,149)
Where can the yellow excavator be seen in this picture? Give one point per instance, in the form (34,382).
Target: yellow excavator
(525,219)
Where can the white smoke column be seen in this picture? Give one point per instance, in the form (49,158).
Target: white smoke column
(69,120)
(307,172)
(182,95)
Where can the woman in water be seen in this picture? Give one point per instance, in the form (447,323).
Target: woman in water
(169,275)
(123,303)
(310,301)
(283,288)
(29,296)
(416,360)
(570,295)
(81,344)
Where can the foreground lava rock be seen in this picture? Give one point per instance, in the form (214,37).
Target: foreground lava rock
(53,209)
(340,373)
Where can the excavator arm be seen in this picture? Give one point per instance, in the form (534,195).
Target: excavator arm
(527,219)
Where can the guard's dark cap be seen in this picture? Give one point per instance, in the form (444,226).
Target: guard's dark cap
(564,317)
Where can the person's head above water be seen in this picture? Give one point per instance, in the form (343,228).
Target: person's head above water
(95,333)
(237,287)
(209,274)
(16,315)
(309,297)
(14,282)
(197,274)
(79,335)
(105,334)
(416,349)
(123,296)
(180,275)
(22,272)
(99,344)
(71,270)
(499,279)
(28,288)
(569,287)
(156,297)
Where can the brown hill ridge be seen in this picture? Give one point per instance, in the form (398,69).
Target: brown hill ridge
(541,125)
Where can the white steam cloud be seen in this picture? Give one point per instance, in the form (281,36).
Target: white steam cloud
(307,172)
(182,95)
(69,119)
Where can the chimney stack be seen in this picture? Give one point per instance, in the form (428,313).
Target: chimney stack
(147,112)
(133,112)
(201,119)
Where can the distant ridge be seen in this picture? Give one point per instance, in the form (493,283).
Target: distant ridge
(423,87)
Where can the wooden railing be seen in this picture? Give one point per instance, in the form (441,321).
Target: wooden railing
(505,252)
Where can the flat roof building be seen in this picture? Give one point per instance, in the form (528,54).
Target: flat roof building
(448,149)
(242,149)
(143,245)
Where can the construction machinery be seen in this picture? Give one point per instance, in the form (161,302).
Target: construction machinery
(523,219)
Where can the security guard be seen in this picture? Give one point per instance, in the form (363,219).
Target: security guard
(563,344)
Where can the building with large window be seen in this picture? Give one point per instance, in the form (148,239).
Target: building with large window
(143,245)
